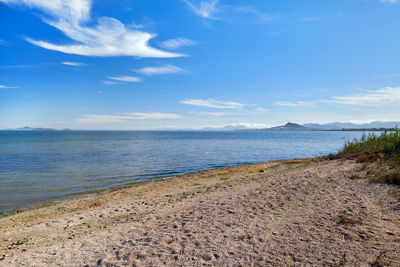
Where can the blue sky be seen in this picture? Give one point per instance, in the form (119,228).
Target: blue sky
(156,64)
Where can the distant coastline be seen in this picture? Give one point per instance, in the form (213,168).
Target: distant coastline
(334,126)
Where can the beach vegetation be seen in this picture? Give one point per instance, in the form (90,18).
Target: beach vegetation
(371,147)
(20,242)
(196,184)
(355,177)
(346,219)
(224,178)
(382,150)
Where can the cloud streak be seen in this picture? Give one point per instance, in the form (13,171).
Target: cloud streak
(389,1)
(73,64)
(177,43)
(211,103)
(381,97)
(126,117)
(109,37)
(7,87)
(211,9)
(213,114)
(387,96)
(168,69)
(205,9)
(131,79)
(4,42)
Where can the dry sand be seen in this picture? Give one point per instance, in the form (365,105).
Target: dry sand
(304,212)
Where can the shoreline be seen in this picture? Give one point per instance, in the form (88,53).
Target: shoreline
(89,193)
(269,213)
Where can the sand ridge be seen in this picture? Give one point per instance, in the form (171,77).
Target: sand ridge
(273,213)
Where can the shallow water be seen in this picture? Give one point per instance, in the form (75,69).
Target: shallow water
(42,166)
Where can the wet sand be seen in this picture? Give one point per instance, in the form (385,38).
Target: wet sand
(299,212)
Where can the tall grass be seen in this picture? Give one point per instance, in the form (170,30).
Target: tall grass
(384,147)
(383,150)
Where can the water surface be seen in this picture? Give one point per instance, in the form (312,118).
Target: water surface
(42,166)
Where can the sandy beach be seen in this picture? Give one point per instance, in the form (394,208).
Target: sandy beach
(292,213)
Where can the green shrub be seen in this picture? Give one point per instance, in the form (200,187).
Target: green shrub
(384,148)
(372,147)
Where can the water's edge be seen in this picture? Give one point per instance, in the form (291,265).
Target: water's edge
(128,185)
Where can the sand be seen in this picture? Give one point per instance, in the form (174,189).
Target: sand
(292,213)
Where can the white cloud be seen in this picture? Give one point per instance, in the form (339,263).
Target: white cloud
(126,117)
(4,42)
(249,125)
(213,114)
(109,37)
(131,79)
(260,110)
(211,103)
(7,87)
(153,116)
(74,64)
(211,9)
(387,96)
(381,97)
(294,104)
(177,43)
(389,1)
(365,121)
(159,70)
(110,82)
(205,9)
(259,16)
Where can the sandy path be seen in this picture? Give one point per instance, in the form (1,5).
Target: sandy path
(286,215)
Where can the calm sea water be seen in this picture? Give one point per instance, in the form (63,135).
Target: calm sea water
(36,167)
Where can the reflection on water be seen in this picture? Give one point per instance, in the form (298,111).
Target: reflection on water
(37,166)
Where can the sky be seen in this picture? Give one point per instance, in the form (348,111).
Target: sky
(180,64)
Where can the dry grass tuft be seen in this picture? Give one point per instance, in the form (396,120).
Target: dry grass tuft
(345,219)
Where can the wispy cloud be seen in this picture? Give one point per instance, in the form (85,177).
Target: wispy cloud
(126,117)
(386,76)
(168,69)
(249,125)
(211,9)
(177,43)
(131,79)
(214,114)
(110,82)
(294,104)
(389,1)
(381,97)
(74,64)
(153,116)
(7,87)
(4,42)
(205,8)
(387,96)
(109,37)
(257,15)
(211,103)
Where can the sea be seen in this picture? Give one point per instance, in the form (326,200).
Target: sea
(43,166)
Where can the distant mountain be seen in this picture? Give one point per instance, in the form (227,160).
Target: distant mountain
(348,125)
(226,128)
(27,128)
(289,127)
